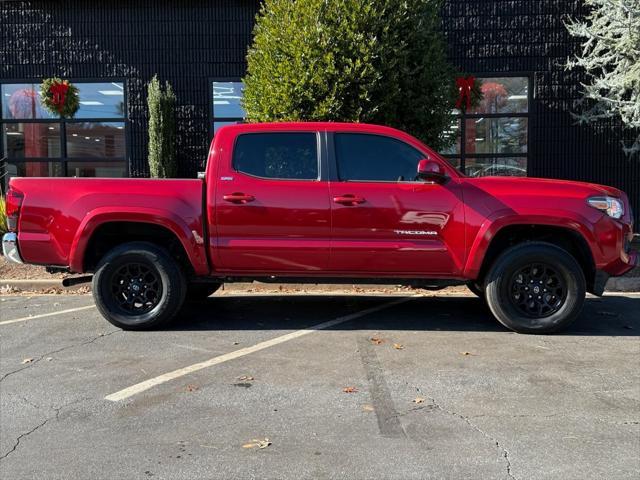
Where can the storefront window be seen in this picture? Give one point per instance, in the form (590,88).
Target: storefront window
(227,107)
(95,136)
(493,138)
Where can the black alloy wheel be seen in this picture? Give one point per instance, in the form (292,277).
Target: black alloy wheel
(538,290)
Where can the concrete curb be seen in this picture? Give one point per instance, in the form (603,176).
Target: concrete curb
(617,284)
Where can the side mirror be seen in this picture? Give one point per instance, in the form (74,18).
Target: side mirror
(431,171)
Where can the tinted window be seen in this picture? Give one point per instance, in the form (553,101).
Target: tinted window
(277,155)
(375,158)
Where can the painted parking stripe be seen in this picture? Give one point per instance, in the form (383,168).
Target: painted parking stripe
(152,382)
(43,315)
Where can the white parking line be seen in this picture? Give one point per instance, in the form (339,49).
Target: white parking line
(152,382)
(43,315)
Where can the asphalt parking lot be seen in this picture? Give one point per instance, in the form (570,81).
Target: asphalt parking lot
(387,386)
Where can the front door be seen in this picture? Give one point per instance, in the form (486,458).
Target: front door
(272,208)
(384,221)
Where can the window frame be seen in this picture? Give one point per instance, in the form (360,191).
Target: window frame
(319,149)
(211,115)
(63,158)
(462,117)
(335,173)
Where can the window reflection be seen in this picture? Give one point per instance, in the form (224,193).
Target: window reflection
(496,135)
(22,101)
(96,169)
(226,100)
(504,95)
(92,139)
(498,166)
(34,169)
(31,140)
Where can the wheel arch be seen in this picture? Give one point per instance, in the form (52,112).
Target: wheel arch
(570,237)
(103,230)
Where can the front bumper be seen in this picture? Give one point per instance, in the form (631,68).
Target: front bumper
(10,247)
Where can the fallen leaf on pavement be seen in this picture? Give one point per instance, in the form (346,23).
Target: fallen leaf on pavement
(246,378)
(350,390)
(398,346)
(368,408)
(192,388)
(376,340)
(418,400)
(260,443)
(27,360)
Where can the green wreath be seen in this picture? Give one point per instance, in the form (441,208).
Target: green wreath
(59,97)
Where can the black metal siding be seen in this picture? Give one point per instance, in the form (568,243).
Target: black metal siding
(190,42)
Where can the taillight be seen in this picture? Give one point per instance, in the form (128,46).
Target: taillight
(13,203)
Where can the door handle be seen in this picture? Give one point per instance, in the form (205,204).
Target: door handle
(348,199)
(238,197)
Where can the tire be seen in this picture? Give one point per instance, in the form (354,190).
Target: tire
(526,270)
(201,291)
(139,286)
(476,289)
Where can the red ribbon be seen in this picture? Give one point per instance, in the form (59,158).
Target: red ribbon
(465,86)
(58,95)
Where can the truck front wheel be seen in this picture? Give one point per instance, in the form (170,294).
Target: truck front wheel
(138,286)
(535,287)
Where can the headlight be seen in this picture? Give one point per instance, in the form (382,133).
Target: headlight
(611,206)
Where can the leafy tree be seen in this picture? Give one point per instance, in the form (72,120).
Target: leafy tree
(377,61)
(610,55)
(162,130)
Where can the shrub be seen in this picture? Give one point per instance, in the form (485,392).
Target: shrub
(3,216)
(378,61)
(162,130)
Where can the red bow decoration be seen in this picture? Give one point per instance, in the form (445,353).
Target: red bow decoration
(465,86)
(58,94)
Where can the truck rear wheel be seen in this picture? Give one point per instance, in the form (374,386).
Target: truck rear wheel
(535,287)
(138,286)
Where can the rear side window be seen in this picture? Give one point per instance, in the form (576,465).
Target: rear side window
(375,158)
(277,155)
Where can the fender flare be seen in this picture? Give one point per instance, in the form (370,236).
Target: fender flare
(495,223)
(191,241)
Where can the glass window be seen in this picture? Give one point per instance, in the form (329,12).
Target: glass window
(31,140)
(496,135)
(100,100)
(375,158)
(226,100)
(96,169)
(497,166)
(34,169)
(504,95)
(493,138)
(22,101)
(277,155)
(99,140)
(97,131)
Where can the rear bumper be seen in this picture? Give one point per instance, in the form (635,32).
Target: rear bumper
(10,247)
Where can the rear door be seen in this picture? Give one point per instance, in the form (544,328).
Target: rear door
(272,205)
(384,221)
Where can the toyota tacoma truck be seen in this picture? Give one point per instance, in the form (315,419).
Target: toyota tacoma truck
(325,203)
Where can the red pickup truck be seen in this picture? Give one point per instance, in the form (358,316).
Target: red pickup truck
(321,203)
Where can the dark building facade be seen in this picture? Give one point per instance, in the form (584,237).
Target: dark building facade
(111,50)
